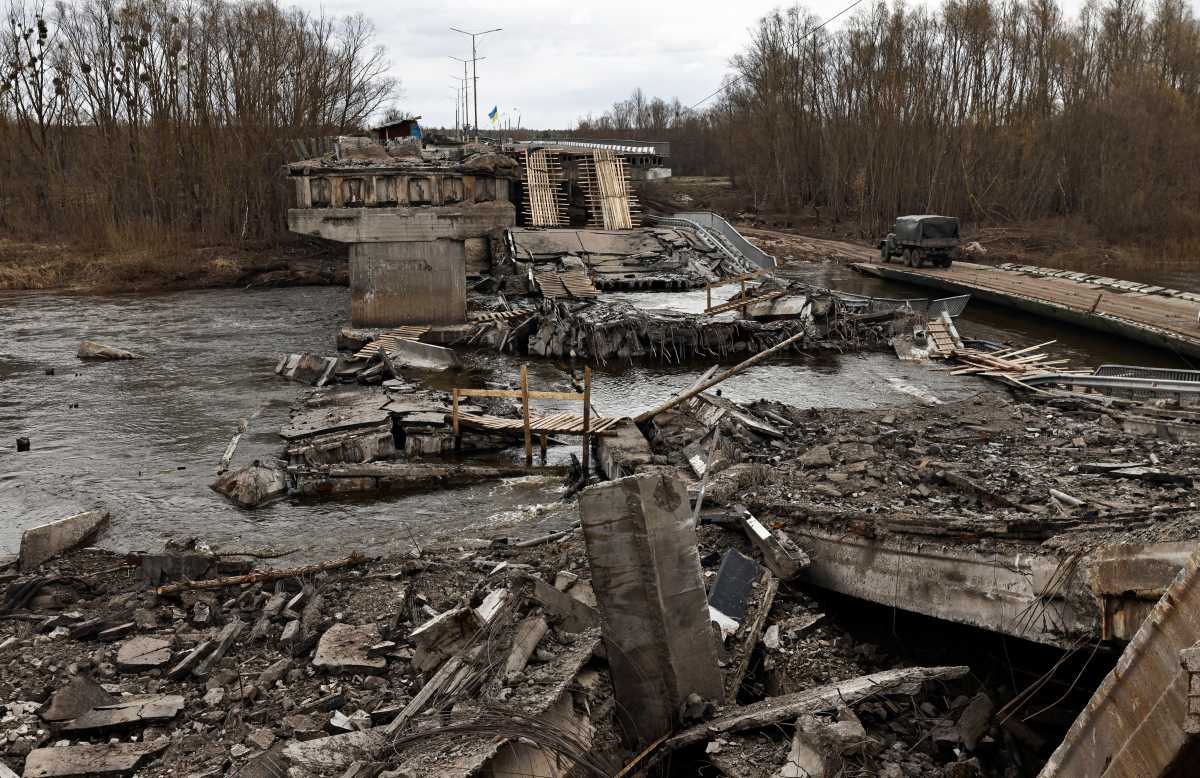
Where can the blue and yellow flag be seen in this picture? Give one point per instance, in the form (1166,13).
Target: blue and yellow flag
(492,114)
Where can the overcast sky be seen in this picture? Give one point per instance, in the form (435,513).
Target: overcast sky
(554,62)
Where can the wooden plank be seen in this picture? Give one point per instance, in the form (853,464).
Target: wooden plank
(525,415)
(516,393)
(587,411)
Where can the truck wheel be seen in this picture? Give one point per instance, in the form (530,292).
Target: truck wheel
(885,256)
(908,257)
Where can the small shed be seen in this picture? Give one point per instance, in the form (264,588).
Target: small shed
(400,128)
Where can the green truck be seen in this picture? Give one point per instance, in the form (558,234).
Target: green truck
(917,239)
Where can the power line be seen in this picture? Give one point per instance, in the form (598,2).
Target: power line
(802,37)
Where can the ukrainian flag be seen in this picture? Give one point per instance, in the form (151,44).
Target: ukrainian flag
(492,114)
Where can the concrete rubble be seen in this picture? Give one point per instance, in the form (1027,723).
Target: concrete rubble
(744,588)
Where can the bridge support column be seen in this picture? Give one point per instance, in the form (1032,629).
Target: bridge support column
(408,283)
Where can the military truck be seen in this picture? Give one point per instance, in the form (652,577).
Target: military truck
(917,239)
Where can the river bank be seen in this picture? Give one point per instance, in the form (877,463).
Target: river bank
(27,265)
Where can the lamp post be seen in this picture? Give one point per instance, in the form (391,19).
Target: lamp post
(474,70)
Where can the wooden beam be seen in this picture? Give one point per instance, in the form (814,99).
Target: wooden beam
(587,417)
(525,415)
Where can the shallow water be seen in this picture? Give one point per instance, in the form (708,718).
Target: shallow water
(141,439)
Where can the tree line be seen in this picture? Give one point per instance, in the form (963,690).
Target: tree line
(994,111)
(133,121)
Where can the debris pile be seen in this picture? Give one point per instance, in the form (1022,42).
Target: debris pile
(472,656)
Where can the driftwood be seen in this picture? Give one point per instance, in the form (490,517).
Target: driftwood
(356,558)
(789,707)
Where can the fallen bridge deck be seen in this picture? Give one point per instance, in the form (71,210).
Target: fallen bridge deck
(1158,320)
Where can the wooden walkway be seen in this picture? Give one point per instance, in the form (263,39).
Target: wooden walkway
(1165,322)
(559,423)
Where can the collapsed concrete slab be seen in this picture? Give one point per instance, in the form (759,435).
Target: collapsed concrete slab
(1135,724)
(89,760)
(641,545)
(413,353)
(41,544)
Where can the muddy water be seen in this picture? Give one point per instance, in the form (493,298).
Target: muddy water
(141,439)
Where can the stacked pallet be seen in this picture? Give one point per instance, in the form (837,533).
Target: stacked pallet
(1010,365)
(544,200)
(943,336)
(387,341)
(565,283)
(609,195)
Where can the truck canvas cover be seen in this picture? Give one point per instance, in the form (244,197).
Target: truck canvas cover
(926,227)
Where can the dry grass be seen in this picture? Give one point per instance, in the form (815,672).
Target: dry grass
(165,264)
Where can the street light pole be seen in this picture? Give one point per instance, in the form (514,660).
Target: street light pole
(474,71)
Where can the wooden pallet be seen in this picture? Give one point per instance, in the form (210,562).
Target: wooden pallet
(569,283)
(944,337)
(494,315)
(544,201)
(387,341)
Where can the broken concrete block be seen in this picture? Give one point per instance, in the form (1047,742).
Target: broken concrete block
(345,647)
(80,695)
(117,632)
(782,556)
(974,720)
(576,615)
(253,485)
(190,660)
(804,759)
(818,456)
(412,353)
(90,760)
(275,672)
(641,546)
(491,606)
(143,653)
(138,709)
(336,752)
(229,633)
(442,636)
(90,349)
(529,633)
(307,368)
(41,544)
(158,569)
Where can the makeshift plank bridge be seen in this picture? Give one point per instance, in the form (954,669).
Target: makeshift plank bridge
(558,423)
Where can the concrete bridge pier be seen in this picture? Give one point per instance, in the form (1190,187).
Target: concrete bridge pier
(408,283)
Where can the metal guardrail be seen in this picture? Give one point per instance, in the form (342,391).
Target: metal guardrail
(714,222)
(954,306)
(1152,373)
(933,309)
(709,238)
(1129,387)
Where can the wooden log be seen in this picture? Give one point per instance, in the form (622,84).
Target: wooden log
(789,707)
(355,558)
(698,388)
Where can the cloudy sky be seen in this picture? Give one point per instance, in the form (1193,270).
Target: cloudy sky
(554,62)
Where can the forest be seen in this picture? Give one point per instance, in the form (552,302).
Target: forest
(155,122)
(999,112)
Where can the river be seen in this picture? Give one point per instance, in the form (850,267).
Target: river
(141,439)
